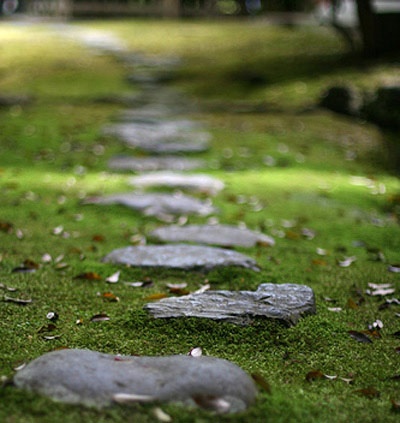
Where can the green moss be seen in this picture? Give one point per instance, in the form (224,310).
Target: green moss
(288,172)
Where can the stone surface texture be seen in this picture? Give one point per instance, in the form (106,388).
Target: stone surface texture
(95,379)
(192,182)
(179,256)
(286,303)
(222,235)
(154,204)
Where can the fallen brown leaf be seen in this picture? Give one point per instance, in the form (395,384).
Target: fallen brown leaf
(90,276)
(157,296)
(360,336)
(395,405)
(261,382)
(314,375)
(20,301)
(369,392)
(102,317)
(98,238)
(109,296)
(6,227)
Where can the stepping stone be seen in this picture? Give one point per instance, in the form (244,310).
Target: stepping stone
(139,107)
(94,379)
(156,96)
(94,39)
(222,235)
(286,303)
(169,146)
(198,182)
(150,77)
(146,164)
(154,204)
(9,100)
(153,127)
(162,137)
(179,256)
(156,124)
(141,60)
(153,111)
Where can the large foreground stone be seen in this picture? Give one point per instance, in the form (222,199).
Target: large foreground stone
(146,164)
(154,204)
(95,379)
(179,256)
(286,303)
(194,182)
(222,235)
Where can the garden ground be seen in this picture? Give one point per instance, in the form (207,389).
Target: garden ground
(324,183)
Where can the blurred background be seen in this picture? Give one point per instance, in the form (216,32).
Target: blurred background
(373,24)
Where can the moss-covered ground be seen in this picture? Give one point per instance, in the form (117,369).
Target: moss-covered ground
(323,185)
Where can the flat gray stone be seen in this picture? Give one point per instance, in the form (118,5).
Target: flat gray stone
(148,164)
(137,59)
(222,235)
(153,111)
(167,146)
(160,136)
(150,76)
(179,256)
(138,122)
(151,127)
(9,100)
(95,379)
(286,303)
(170,102)
(154,204)
(192,182)
(161,95)
(98,40)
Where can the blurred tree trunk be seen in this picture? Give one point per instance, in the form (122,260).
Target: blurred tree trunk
(368,28)
(380,32)
(171,8)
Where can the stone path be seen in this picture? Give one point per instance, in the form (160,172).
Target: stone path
(157,121)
